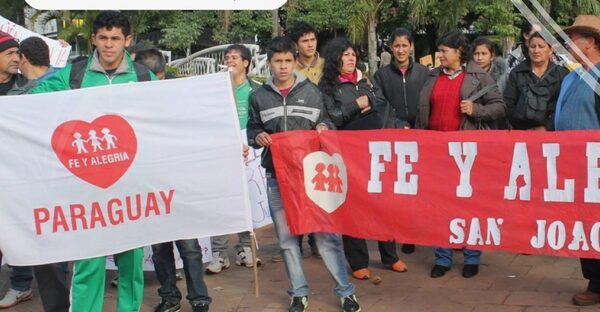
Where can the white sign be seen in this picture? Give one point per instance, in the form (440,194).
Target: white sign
(97,171)
(59,55)
(257,186)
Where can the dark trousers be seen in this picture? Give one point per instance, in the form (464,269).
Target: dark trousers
(357,253)
(164,266)
(53,286)
(591,271)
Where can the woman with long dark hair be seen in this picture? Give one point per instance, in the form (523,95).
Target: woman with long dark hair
(353,103)
(450,101)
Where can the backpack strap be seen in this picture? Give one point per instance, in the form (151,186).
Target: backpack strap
(77,72)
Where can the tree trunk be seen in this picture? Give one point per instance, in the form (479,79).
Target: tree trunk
(275,23)
(226,14)
(372,41)
(507,43)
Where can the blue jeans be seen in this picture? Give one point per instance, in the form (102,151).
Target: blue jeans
(443,256)
(329,245)
(164,265)
(21,277)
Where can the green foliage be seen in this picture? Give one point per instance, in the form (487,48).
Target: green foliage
(182,28)
(444,15)
(565,10)
(171,70)
(142,21)
(323,15)
(244,25)
(13,10)
(497,17)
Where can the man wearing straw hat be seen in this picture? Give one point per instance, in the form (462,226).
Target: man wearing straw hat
(578,108)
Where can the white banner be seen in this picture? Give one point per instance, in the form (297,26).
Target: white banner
(101,170)
(257,186)
(59,55)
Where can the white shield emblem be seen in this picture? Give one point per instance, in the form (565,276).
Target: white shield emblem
(325,180)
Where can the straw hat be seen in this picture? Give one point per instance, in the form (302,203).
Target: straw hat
(585,24)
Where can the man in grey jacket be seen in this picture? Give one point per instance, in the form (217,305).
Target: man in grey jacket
(288,101)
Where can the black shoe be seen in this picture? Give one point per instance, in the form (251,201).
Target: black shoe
(439,270)
(349,304)
(200,307)
(470,270)
(299,304)
(167,306)
(408,248)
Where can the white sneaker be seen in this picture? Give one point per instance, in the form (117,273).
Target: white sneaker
(13,297)
(244,258)
(217,264)
(115,281)
(179,275)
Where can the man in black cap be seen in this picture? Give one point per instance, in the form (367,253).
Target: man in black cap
(9,62)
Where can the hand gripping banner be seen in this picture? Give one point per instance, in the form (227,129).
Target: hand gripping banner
(528,192)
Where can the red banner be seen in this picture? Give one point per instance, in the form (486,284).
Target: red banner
(527,192)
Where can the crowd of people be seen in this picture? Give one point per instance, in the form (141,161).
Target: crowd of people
(473,89)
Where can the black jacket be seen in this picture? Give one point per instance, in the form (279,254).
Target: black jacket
(269,111)
(518,80)
(343,109)
(402,92)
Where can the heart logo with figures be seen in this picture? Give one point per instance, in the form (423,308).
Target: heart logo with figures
(99,152)
(325,180)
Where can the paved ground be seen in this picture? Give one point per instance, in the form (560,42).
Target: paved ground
(506,283)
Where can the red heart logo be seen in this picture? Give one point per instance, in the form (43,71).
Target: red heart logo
(99,152)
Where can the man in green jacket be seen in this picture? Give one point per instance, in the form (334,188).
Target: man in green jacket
(110,64)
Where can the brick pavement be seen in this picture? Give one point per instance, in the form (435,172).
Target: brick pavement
(506,283)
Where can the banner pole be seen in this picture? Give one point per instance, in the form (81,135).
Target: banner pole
(255,266)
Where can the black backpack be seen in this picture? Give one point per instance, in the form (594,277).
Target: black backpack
(78,70)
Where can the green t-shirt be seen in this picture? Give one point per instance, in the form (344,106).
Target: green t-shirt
(242,93)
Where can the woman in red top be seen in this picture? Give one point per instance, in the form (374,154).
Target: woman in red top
(446,103)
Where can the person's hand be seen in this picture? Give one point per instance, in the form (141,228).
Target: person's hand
(539,128)
(363,102)
(263,139)
(63,43)
(245,152)
(321,127)
(466,107)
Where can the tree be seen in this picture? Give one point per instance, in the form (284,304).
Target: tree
(182,29)
(13,10)
(323,15)
(444,15)
(244,25)
(73,26)
(364,18)
(141,21)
